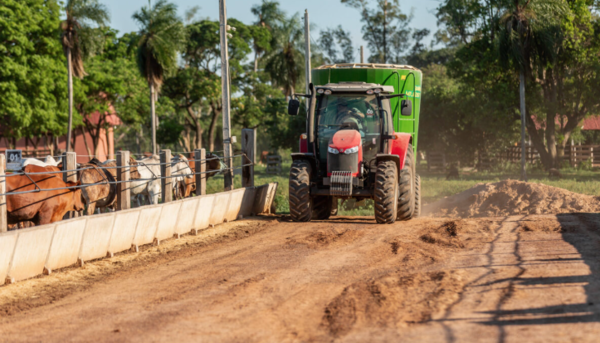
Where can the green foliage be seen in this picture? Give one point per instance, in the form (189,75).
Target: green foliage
(285,64)
(81,31)
(169,130)
(385,29)
(284,130)
(161,36)
(32,81)
(329,41)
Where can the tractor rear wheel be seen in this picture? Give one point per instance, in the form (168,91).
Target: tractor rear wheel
(322,207)
(407,194)
(301,207)
(417,196)
(386,192)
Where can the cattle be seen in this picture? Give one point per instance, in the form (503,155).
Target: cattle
(213,166)
(48,162)
(49,204)
(182,176)
(103,176)
(148,185)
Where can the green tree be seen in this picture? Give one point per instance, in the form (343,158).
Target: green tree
(80,39)
(33,101)
(161,36)
(336,41)
(113,85)
(553,44)
(285,64)
(385,29)
(196,88)
(269,16)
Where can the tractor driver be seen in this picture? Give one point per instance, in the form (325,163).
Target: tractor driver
(345,114)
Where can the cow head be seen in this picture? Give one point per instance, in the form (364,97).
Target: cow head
(134,174)
(213,165)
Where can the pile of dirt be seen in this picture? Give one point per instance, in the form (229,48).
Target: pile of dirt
(512,198)
(392,300)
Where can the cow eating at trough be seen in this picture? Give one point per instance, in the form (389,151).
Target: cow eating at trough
(46,206)
(213,166)
(102,176)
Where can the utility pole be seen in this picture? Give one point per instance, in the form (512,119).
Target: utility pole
(228,175)
(307,50)
(70,88)
(523,121)
(362,54)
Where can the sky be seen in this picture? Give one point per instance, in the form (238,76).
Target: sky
(322,13)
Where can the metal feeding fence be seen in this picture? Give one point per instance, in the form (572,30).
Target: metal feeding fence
(123,179)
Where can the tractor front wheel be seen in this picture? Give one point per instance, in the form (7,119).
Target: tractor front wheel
(386,192)
(301,207)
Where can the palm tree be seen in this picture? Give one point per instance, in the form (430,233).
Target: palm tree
(161,36)
(79,39)
(285,63)
(269,15)
(527,36)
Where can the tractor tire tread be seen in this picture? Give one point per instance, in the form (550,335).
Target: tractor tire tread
(321,208)
(301,209)
(417,196)
(407,193)
(386,180)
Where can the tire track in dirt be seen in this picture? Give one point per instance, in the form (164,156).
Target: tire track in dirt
(347,280)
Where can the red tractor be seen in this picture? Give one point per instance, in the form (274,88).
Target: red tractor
(351,150)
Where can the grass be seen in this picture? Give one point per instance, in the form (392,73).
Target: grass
(434,185)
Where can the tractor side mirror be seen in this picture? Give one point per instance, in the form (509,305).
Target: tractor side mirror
(294,107)
(406,108)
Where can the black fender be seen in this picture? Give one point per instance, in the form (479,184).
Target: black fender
(310,157)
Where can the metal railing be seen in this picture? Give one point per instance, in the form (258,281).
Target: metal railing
(169,176)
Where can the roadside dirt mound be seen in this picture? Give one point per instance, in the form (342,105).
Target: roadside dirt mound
(391,300)
(512,198)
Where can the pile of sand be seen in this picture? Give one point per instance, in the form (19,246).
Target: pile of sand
(511,198)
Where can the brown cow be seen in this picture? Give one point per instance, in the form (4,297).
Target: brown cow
(104,175)
(213,166)
(43,207)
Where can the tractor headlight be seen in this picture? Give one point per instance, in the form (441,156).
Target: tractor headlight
(353,150)
(333,150)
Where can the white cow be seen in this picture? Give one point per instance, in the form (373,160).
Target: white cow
(48,161)
(148,186)
(181,172)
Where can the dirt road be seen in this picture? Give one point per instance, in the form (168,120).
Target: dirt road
(508,279)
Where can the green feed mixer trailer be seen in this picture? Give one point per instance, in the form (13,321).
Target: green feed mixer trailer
(360,142)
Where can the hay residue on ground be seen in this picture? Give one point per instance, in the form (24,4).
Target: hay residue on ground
(512,198)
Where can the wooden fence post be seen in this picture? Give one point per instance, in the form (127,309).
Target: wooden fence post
(200,166)
(249,150)
(69,161)
(166,182)
(3,209)
(123,174)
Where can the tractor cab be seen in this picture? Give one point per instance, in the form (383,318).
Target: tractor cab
(350,120)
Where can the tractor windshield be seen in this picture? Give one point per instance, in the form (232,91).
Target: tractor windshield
(358,111)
